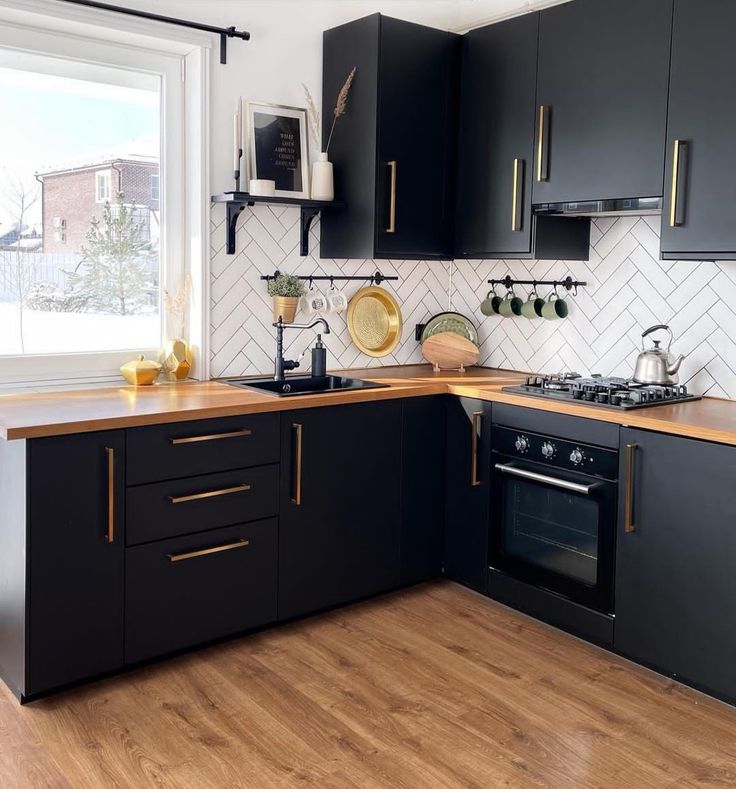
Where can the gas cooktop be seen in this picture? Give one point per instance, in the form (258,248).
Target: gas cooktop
(617,393)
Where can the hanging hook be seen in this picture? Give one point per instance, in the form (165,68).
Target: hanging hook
(332,283)
(311,282)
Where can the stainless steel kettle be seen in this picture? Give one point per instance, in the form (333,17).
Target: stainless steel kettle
(657,365)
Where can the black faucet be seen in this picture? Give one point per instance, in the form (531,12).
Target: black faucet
(281,364)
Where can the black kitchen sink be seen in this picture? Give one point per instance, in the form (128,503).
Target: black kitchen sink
(303,385)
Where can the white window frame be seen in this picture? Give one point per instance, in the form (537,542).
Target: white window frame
(102,177)
(87,36)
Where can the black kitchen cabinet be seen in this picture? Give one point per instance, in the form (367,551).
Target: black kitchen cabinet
(700,190)
(340,524)
(602,80)
(393,150)
(496,151)
(422,488)
(468,492)
(675,580)
(76,546)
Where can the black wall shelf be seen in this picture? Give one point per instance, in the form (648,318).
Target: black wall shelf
(237,201)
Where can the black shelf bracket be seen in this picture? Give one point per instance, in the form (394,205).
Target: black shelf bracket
(308,213)
(233,212)
(223,32)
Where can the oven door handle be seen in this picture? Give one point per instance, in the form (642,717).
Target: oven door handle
(573,487)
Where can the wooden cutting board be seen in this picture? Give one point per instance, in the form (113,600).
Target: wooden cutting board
(450,351)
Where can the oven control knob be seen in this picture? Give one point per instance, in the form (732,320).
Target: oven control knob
(576,457)
(548,449)
(521,444)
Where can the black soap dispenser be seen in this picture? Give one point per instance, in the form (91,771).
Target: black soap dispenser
(319,359)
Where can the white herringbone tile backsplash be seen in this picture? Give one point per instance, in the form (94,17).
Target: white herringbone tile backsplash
(629,289)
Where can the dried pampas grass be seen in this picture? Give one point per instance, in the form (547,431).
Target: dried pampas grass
(314,119)
(341,103)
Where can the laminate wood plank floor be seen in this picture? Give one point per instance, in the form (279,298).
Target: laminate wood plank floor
(434,686)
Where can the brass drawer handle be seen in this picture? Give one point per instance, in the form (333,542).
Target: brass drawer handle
(543,144)
(679,161)
(475,427)
(211,437)
(516,195)
(230,546)
(110,536)
(629,525)
(392,200)
(297,496)
(209,494)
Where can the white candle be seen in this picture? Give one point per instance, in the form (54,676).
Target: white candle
(237,138)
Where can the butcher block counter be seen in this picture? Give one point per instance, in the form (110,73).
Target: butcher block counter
(57,413)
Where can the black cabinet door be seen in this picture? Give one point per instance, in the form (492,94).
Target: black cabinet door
(76,545)
(702,116)
(602,80)
(675,579)
(422,488)
(339,530)
(418,71)
(468,493)
(496,138)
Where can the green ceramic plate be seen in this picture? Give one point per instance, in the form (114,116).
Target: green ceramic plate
(453,322)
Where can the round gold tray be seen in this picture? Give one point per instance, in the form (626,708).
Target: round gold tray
(374,321)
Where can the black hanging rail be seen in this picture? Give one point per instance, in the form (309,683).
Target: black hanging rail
(376,278)
(223,32)
(568,283)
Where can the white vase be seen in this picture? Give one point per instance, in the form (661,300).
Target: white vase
(323,184)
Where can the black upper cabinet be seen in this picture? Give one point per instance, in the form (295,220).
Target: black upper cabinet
(702,116)
(468,491)
(675,580)
(76,548)
(340,524)
(393,150)
(602,83)
(496,151)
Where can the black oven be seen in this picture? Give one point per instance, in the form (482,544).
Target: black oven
(554,515)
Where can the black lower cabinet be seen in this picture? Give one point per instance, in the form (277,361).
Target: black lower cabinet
(189,590)
(76,546)
(468,492)
(422,489)
(675,576)
(340,524)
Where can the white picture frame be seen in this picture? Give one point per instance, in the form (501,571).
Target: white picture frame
(276,147)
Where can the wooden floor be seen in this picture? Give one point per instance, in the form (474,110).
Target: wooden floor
(431,687)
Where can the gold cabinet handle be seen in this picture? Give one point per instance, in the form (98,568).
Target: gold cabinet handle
(679,154)
(392,200)
(211,437)
(209,494)
(475,427)
(542,146)
(110,536)
(629,525)
(516,195)
(230,546)
(297,496)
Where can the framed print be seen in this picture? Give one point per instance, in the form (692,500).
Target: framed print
(276,146)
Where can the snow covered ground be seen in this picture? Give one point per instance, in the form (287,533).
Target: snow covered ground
(70,332)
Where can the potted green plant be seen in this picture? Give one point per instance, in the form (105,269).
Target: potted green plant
(286,290)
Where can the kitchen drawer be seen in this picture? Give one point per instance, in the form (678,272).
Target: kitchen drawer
(184,506)
(184,449)
(190,590)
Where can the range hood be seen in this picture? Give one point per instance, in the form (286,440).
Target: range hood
(638,206)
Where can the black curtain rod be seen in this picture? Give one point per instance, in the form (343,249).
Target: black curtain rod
(223,32)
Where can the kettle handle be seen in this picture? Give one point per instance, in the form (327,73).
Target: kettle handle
(659,326)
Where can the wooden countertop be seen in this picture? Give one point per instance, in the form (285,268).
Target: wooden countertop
(57,413)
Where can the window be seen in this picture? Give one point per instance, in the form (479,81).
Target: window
(102,186)
(93,120)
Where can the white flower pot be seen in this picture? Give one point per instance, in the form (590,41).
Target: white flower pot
(323,183)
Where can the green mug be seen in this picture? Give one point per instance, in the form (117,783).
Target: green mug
(489,305)
(532,307)
(510,306)
(554,308)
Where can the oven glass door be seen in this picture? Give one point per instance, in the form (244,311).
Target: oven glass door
(555,529)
